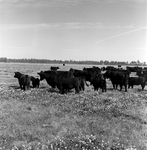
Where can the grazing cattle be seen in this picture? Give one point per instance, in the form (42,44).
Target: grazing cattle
(66,84)
(110,68)
(99,82)
(117,78)
(125,71)
(35,82)
(142,73)
(134,69)
(54,68)
(24,80)
(92,70)
(77,73)
(137,81)
(80,73)
(49,76)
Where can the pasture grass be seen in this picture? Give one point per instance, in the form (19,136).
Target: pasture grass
(44,119)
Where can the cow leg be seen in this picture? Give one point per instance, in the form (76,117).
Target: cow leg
(66,90)
(76,90)
(142,86)
(126,88)
(24,87)
(97,88)
(83,88)
(21,86)
(102,89)
(114,86)
(62,91)
(120,87)
(105,88)
(28,86)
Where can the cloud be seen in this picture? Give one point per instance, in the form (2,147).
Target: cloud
(118,35)
(39,3)
(60,3)
(68,25)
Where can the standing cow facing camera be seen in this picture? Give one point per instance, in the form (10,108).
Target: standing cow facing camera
(24,80)
(99,81)
(117,78)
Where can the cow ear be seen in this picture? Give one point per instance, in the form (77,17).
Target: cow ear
(38,73)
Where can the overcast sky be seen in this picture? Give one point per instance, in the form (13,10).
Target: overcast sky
(74,29)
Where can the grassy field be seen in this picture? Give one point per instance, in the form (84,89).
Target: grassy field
(43,119)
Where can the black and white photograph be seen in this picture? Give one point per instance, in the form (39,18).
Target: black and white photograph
(73,75)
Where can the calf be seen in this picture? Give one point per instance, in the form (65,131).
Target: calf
(137,81)
(24,80)
(35,82)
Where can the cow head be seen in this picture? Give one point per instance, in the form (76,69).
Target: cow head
(42,76)
(17,75)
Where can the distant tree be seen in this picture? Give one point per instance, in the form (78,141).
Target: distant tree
(106,62)
(138,62)
(3,59)
(133,63)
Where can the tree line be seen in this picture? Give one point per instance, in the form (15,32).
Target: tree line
(90,62)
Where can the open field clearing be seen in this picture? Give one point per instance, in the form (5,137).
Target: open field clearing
(43,119)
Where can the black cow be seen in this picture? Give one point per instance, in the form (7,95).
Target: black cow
(82,73)
(66,84)
(24,80)
(110,68)
(54,68)
(94,69)
(142,73)
(90,72)
(35,82)
(124,71)
(76,72)
(137,81)
(49,76)
(134,69)
(99,82)
(117,78)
